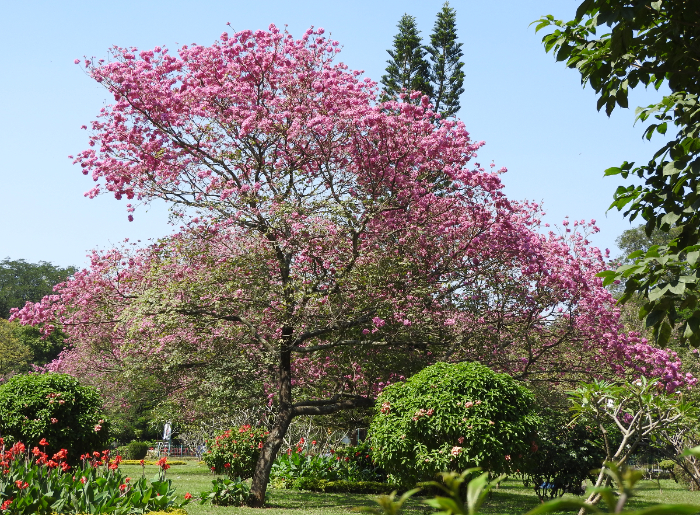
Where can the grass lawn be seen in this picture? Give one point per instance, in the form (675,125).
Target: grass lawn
(510,499)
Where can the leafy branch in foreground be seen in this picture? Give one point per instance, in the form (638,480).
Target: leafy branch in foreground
(479,487)
(650,43)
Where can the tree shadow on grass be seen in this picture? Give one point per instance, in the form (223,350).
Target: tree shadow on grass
(304,500)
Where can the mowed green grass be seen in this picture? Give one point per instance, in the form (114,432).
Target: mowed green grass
(510,499)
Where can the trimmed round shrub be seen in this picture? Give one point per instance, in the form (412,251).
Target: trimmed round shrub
(137,450)
(55,407)
(235,451)
(450,417)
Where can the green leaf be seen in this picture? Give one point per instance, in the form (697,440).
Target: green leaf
(563,504)
(664,334)
(654,317)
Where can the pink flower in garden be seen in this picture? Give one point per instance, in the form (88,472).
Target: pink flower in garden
(460,440)
(54,420)
(97,427)
(469,404)
(455,451)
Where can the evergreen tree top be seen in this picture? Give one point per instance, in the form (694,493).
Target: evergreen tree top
(446,75)
(407,69)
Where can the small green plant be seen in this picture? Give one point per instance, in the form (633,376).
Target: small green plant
(297,464)
(235,451)
(227,492)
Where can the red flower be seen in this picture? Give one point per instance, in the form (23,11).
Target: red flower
(65,467)
(123,487)
(114,466)
(313,442)
(188,496)
(43,442)
(260,445)
(142,463)
(6,505)
(227,465)
(52,464)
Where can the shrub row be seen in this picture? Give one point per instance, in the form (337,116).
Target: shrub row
(349,487)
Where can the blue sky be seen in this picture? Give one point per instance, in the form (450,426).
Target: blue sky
(532,112)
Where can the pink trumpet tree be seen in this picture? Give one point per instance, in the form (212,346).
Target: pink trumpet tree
(340,243)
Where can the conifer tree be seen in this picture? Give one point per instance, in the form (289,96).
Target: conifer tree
(407,69)
(446,72)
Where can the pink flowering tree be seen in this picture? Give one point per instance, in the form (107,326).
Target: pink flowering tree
(317,254)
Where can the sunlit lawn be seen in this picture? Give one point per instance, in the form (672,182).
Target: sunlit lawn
(510,499)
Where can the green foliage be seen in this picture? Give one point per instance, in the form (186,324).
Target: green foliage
(37,489)
(388,505)
(451,484)
(361,460)
(44,348)
(565,454)
(136,450)
(351,464)
(626,481)
(649,43)
(227,492)
(407,69)
(477,489)
(52,406)
(14,355)
(446,74)
(235,451)
(449,417)
(22,282)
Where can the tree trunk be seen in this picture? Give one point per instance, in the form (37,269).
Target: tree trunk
(272,444)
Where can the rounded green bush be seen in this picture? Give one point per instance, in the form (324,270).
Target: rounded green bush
(137,450)
(55,407)
(452,417)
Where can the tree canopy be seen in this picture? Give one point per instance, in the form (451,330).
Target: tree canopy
(22,282)
(649,43)
(316,259)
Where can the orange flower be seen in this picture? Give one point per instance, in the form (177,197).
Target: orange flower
(43,442)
